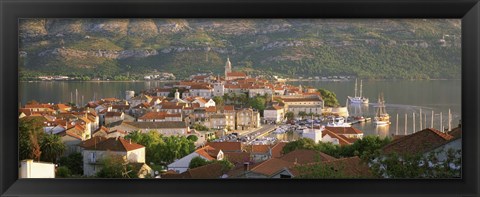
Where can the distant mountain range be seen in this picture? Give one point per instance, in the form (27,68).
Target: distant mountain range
(377,48)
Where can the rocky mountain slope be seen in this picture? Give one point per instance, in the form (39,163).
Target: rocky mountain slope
(380,48)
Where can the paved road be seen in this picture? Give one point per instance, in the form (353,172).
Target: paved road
(258,132)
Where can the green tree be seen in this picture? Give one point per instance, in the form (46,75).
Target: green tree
(257,103)
(289,115)
(74,162)
(219,101)
(197,162)
(302,143)
(302,114)
(418,165)
(200,127)
(114,166)
(192,138)
(329,98)
(29,130)
(63,172)
(322,171)
(52,147)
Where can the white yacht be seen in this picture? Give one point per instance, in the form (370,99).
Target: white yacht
(358,99)
(338,122)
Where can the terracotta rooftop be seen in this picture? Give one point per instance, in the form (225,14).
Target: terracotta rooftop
(419,142)
(237,157)
(114,144)
(456,132)
(113,114)
(271,166)
(158,125)
(306,156)
(236,74)
(210,171)
(228,108)
(226,146)
(344,130)
(154,115)
(92,141)
(277,149)
(70,133)
(342,140)
(211,109)
(207,152)
(308,99)
(260,149)
(274,107)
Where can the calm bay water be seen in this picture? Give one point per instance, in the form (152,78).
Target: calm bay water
(402,97)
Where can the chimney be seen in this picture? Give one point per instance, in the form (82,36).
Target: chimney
(130,141)
(246,166)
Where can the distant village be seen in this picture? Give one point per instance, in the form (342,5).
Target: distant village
(230,117)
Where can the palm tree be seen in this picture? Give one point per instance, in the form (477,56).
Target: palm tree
(52,147)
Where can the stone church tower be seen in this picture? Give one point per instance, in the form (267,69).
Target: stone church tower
(228,67)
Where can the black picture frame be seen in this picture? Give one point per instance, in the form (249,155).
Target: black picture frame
(11,11)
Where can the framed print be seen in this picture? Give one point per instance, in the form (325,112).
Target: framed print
(239,98)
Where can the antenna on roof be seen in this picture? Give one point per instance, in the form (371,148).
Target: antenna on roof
(449,120)
(432,120)
(421,126)
(441,122)
(413,131)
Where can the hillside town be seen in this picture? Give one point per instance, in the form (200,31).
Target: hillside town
(219,126)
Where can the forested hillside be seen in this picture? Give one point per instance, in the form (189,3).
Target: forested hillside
(380,48)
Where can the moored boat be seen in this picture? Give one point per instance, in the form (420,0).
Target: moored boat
(358,99)
(381,117)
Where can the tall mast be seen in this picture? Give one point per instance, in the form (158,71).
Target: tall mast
(441,122)
(355,87)
(449,120)
(361,87)
(432,119)
(396,131)
(413,122)
(421,126)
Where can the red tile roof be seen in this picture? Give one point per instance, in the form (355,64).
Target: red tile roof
(271,166)
(211,109)
(306,156)
(115,144)
(417,143)
(236,74)
(210,171)
(342,140)
(92,141)
(207,152)
(153,115)
(70,133)
(226,146)
(260,149)
(237,157)
(344,130)
(456,132)
(277,149)
(113,114)
(229,108)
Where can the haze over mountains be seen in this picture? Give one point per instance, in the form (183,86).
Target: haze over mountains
(379,48)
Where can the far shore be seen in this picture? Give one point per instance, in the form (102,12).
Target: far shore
(288,80)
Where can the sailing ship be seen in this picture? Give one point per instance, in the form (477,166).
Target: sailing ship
(381,117)
(358,99)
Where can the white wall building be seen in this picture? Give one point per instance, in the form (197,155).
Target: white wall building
(31,169)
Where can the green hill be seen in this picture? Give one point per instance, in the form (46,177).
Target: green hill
(380,48)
